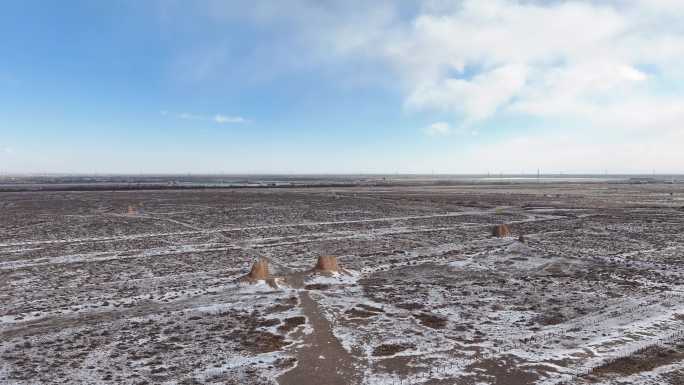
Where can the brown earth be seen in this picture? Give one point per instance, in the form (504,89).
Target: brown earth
(501,231)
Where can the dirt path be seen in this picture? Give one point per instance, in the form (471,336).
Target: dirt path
(321,360)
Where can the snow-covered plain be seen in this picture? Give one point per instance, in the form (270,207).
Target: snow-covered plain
(93,293)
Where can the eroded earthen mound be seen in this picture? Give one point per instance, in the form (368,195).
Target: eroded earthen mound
(328,264)
(259,271)
(501,231)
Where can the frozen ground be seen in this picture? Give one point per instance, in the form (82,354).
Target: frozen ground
(140,287)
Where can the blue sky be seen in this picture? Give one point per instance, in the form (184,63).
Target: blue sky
(341,86)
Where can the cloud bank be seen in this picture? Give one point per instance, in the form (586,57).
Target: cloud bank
(606,73)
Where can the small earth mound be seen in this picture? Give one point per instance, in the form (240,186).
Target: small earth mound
(260,272)
(327,263)
(132,210)
(501,231)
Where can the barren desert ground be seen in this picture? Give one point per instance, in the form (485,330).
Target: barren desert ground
(148,287)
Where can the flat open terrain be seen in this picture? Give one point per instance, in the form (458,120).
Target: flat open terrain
(142,287)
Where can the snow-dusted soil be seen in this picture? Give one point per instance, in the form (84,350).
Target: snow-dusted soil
(91,292)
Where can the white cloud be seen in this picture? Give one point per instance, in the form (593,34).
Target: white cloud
(611,67)
(477,99)
(303,35)
(550,60)
(478,58)
(631,73)
(472,58)
(438,129)
(218,118)
(222,119)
